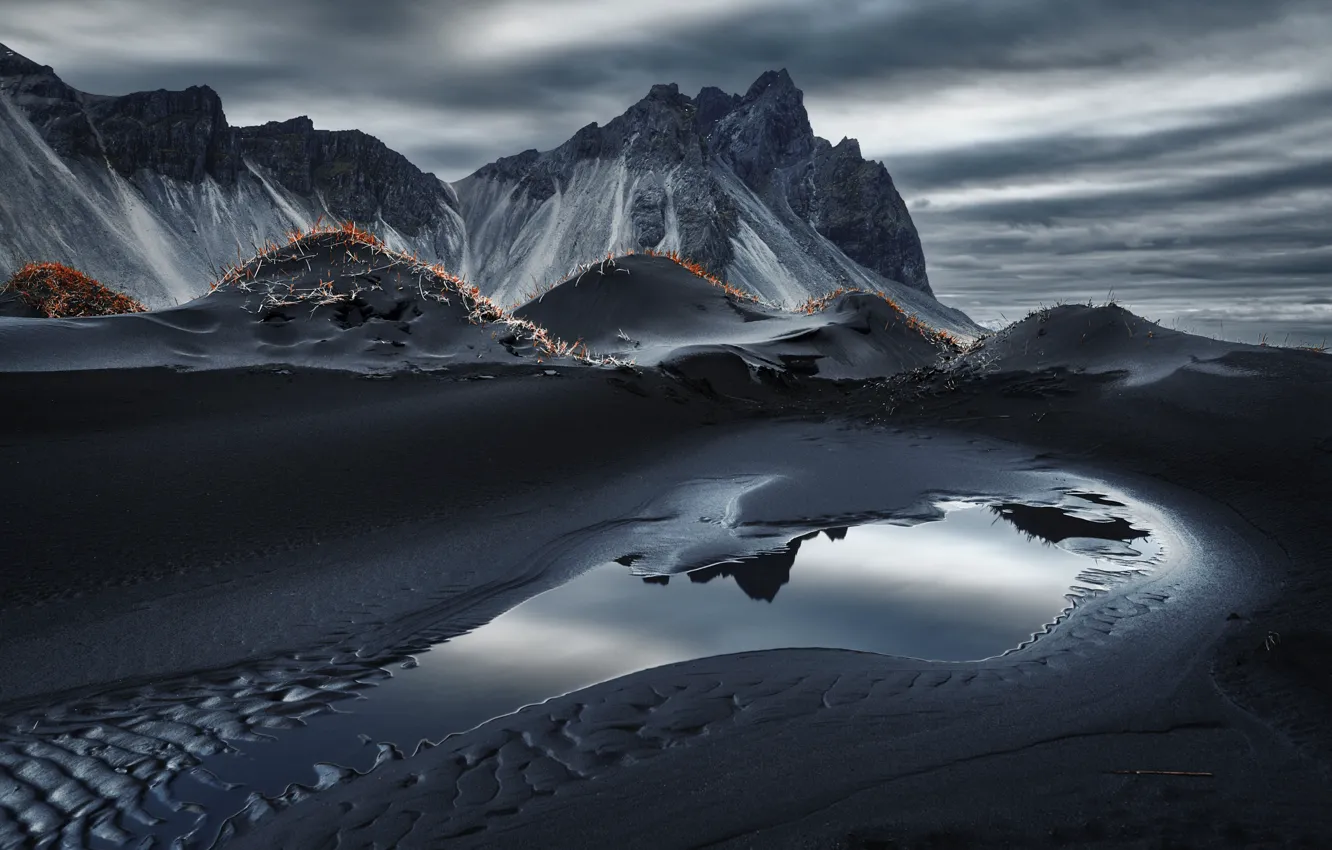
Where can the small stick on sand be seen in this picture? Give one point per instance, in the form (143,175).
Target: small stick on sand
(1161,773)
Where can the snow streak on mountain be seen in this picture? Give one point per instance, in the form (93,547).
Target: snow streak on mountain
(151,192)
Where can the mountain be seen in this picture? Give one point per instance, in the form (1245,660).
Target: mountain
(152,191)
(739,183)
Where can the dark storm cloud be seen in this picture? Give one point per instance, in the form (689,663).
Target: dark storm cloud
(1045,146)
(1308,267)
(407,53)
(898,43)
(1219,189)
(1038,157)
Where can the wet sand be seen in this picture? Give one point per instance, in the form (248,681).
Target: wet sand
(269,524)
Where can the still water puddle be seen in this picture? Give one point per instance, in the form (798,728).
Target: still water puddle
(980,581)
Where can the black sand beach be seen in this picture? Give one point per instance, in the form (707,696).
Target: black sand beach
(211,540)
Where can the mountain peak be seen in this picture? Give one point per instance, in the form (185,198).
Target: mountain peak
(204,90)
(299,124)
(662,97)
(13,63)
(848,147)
(20,75)
(778,80)
(713,105)
(663,91)
(768,129)
(677,151)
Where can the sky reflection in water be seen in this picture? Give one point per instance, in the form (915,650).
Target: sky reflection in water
(973,585)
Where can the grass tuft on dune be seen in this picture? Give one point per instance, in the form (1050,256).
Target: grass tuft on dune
(811,306)
(822,302)
(435,283)
(606,264)
(60,292)
(697,269)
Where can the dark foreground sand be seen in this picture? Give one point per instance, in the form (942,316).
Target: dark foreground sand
(210,530)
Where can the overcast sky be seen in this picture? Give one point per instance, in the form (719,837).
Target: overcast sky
(1176,152)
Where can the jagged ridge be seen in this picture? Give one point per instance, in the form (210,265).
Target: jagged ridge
(184,135)
(740,183)
(151,190)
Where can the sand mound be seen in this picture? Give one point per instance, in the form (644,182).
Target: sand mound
(347,279)
(1082,338)
(56,291)
(333,298)
(381,517)
(638,301)
(660,310)
(338,298)
(859,335)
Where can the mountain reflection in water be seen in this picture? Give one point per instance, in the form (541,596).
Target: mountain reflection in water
(1055,525)
(961,587)
(759,576)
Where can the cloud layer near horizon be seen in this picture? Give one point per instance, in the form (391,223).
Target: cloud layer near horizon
(1172,151)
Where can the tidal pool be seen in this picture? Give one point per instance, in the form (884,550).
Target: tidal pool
(981,580)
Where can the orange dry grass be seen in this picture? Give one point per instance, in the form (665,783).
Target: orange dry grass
(697,268)
(821,303)
(809,307)
(480,309)
(60,292)
(539,290)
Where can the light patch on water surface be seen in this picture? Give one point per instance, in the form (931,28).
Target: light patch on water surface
(975,584)
(978,581)
(981,581)
(964,588)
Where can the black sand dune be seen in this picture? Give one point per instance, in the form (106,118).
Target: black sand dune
(641,301)
(192,555)
(333,302)
(1187,714)
(658,313)
(1102,340)
(330,300)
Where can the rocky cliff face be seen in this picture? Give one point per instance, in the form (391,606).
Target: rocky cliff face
(656,140)
(738,182)
(766,139)
(184,135)
(358,176)
(766,131)
(153,190)
(163,189)
(53,107)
